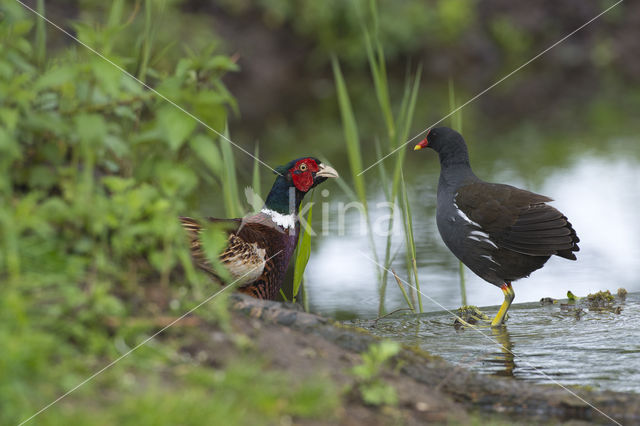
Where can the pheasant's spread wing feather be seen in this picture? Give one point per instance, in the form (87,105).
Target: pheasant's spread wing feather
(244,260)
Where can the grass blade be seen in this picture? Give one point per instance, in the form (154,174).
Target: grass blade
(350,131)
(230,187)
(255,179)
(302,253)
(353,147)
(407,110)
(379,74)
(456,124)
(410,240)
(404,292)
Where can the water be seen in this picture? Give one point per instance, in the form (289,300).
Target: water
(542,344)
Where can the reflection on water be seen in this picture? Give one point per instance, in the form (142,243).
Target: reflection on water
(601,197)
(505,359)
(540,343)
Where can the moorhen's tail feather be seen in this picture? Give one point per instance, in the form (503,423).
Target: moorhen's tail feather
(538,213)
(568,254)
(541,230)
(541,226)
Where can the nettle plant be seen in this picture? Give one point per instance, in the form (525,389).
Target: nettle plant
(95,168)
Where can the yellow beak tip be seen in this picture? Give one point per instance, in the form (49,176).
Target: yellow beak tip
(417,147)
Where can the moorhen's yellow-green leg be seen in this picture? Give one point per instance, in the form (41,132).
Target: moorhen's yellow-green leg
(509,295)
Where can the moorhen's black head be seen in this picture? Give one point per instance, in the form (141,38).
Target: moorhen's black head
(448,143)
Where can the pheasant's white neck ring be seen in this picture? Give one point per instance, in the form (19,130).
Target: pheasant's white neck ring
(284,220)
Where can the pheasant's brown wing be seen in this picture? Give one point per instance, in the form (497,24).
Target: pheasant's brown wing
(244,260)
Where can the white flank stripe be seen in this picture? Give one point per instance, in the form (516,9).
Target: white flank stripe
(461,213)
(480,234)
(489,258)
(466,218)
(482,240)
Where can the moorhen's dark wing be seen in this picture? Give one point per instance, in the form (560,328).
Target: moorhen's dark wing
(518,220)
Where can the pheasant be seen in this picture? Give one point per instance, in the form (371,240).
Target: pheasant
(500,232)
(260,246)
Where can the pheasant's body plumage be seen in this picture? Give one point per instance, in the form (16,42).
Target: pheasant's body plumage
(258,251)
(260,246)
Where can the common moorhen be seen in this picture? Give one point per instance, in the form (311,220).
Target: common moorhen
(500,232)
(260,246)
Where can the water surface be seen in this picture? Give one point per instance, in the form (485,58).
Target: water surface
(542,344)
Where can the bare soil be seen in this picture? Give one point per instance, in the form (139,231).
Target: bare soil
(430,390)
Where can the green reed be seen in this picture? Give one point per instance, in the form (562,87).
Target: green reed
(456,124)
(396,125)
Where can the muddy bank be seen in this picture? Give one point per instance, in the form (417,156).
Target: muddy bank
(429,389)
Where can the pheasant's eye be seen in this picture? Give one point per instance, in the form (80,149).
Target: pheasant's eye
(303,167)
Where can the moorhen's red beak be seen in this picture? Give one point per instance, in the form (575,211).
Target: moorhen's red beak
(421,145)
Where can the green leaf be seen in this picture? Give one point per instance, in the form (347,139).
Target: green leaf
(117,183)
(177,126)
(90,127)
(208,152)
(379,393)
(56,77)
(107,75)
(176,179)
(221,62)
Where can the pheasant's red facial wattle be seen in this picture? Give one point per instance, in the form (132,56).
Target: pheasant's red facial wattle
(302,173)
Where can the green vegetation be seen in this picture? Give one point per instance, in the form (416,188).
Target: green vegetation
(468,315)
(410,242)
(396,128)
(372,387)
(456,124)
(94,170)
(303,251)
(335,25)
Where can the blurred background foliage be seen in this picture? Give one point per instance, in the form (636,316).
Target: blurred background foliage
(95,168)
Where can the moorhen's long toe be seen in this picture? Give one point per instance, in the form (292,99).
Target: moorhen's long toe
(500,232)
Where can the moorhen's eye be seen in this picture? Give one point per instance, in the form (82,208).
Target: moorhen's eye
(303,167)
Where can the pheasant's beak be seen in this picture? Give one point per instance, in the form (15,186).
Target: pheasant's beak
(421,145)
(326,172)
